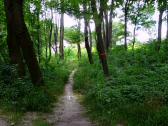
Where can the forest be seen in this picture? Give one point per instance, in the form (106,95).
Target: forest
(83,63)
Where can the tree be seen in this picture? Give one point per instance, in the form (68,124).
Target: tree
(61,48)
(88,47)
(162,5)
(19,37)
(100,46)
(111,23)
(167,24)
(73,35)
(126,10)
(141,16)
(118,32)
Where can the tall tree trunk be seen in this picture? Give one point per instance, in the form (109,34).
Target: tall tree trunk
(24,40)
(125,20)
(45,37)
(107,42)
(133,44)
(90,38)
(50,36)
(111,23)
(160,29)
(167,25)
(88,48)
(100,46)
(104,33)
(79,50)
(15,53)
(55,39)
(135,26)
(62,36)
(39,45)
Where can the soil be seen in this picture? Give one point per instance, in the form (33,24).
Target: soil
(68,111)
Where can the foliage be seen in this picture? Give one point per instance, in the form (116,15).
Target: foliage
(19,94)
(118,31)
(73,35)
(40,122)
(134,94)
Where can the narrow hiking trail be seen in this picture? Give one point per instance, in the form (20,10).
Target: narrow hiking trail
(68,111)
(3,122)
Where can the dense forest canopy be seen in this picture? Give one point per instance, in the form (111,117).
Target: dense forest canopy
(119,48)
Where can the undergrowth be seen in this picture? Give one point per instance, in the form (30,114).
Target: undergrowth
(135,93)
(19,95)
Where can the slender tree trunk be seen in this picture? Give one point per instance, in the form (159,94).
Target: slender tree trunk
(160,29)
(55,39)
(90,38)
(104,33)
(133,44)
(135,26)
(62,36)
(167,25)
(15,53)
(50,40)
(79,50)
(50,37)
(88,48)
(46,45)
(39,45)
(125,28)
(100,46)
(24,40)
(107,28)
(111,23)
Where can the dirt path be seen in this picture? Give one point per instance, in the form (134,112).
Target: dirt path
(69,112)
(3,122)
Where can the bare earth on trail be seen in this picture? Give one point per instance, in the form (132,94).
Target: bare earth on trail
(3,122)
(69,112)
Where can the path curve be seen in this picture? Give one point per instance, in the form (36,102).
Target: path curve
(69,112)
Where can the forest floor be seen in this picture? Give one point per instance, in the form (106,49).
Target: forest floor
(67,112)
(69,109)
(3,122)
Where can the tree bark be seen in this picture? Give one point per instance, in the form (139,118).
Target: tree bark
(100,46)
(90,38)
(107,42)
(50,36)
(62,36)
(167,25)
(125,20)
(79,50)
(135,26)
(160,29)
(104,33)
(39,45)
(14,50)
(24,40)
(56,38)
(88,48)
(133,44)
(111,23)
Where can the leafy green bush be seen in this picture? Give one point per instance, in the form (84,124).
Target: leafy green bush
(19,93)
(134,94)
